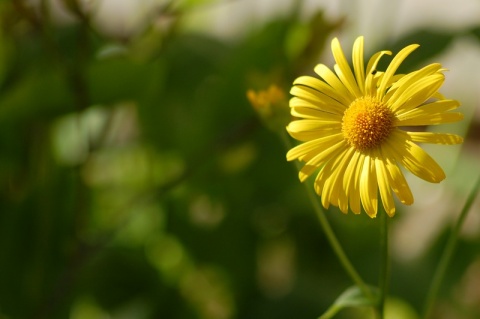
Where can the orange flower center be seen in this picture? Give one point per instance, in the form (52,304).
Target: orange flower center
(367,123)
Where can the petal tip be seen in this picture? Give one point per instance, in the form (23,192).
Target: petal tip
(390,212)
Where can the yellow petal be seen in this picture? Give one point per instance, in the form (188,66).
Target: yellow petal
(307,130)
(317,104)
(392,68)
(439,96)
(331,79)
(371,83)
(316,114)
(334,190)
(414,158)
(417,93)
(430,119)
(310,125)
(373,62)
(305,136)
(432,108)
(322,87)
(320,182)
(323,101)
(314,125)
(397,180)
(349,83)
(323,181)
(413,77)
(384,184)
(343,70)
(358,64)
(400,85)
(328,174)
(308,150)
(350,184)
(368,187)
(319,159)
(435,138)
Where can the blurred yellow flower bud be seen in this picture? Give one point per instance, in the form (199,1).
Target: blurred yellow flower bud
(272,107)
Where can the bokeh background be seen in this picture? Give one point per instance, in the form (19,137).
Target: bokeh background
(137,180)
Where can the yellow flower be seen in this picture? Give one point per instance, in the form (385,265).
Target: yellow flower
(351,125)
(272,107)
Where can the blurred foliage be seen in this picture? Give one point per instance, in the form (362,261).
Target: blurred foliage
(137,181)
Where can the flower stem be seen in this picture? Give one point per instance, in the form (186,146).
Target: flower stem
(329,233)
(448,253)
(335,244)
(385,263)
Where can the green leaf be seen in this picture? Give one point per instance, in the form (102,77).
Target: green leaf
(36,94)
(296,40)
(117,79)
(351,297)
(476,32)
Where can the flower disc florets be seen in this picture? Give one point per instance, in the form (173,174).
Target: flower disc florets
(367,123)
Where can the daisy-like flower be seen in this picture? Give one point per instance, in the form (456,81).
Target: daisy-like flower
(351,124)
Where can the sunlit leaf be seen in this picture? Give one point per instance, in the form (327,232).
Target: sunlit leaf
(352,297)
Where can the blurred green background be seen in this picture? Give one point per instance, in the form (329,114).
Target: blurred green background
(137,181)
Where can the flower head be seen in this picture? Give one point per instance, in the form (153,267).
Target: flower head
(272,106)
(351,124)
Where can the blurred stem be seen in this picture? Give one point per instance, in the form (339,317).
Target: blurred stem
(385,262)
(448,253)
(327,229)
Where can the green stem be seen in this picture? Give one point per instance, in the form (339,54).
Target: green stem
(335,244)
(385,263)
(448,253)
(331,237)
